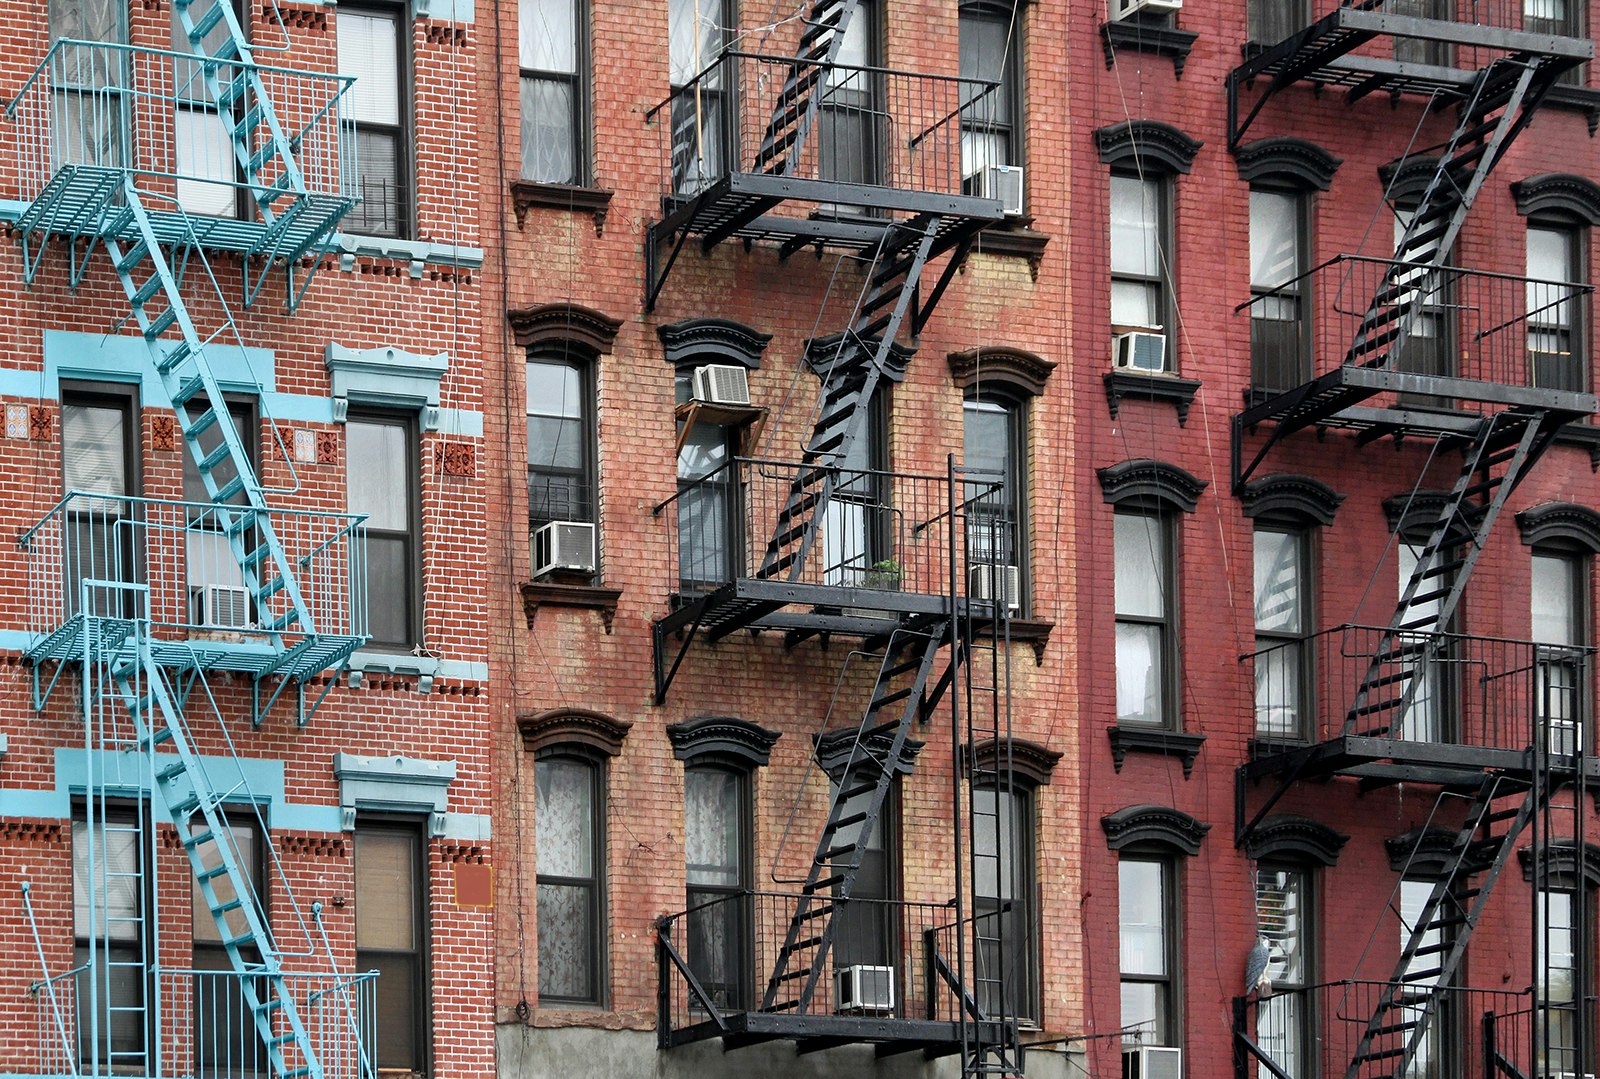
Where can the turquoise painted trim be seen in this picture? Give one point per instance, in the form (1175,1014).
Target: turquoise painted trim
(468,827)
(394,784)
(13,209)
(351,246)
(100,357)
(406,664)
(389,376)
(461,11)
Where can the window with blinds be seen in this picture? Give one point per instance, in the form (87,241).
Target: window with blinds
(372,50)
(389,939)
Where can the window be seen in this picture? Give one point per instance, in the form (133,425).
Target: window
(1561,18)
(233,1048)
(994,444)
(856,528)
(1557,1026)
(374,48)
(865,929)
(1007,975)
(217,595)
(1424,719)
(1146,926)
(570,867)
(1556,335)
(851,122)
(1283,594)
(561,441)
(391,915)
(988,45)
(708,520)
(381,481)
(91,101)
(1431,1059)
(99,454)
(1273,20)
(717,851)
(1284,1024)
(1146,620)
(1140,256)
(553,51)
(108,923)
(207,169)
(697,30)
(1418,50)
(1280,345)
(1426,347)
(1560,626)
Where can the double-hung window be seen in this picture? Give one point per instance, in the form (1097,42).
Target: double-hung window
(1560,18)
(1147,918)
(1560,628)
(994,445)
(391,935)
(217,595)
(1426,715)
(1003,897)
(1433,1052)
(109,906)
(852,125)
(1421,50)
(1141,264)
(1558,1024)
(1146,621)
(91,83)
(208,172)
(865,929)
(988,46)
(99,456)
(858,545)
(1557,357)
(374,47)
(696,32)
(1282,600)
(716,835)
(1284,1024)
(570,869)
(1279,331)
(233,1048)
(381,461)
(552,53)
(561,440)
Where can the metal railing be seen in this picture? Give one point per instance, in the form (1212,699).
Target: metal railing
(874,126)
(1465,324)
(1317,1030)
(1486,692)
(714,958)
(197,1023)
(180,550)
(149,112)
(1277,21)
(879,530)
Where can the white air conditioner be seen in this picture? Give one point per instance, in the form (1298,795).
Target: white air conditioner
(1122,9)
(1152,1062)
(225,606)
(1140,350)
(862,990)
(721,384)
(563,547)
(1003,183)
(1563,737)
(986,582)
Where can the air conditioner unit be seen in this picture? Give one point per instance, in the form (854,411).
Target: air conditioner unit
(1152,1062)
(1123,9)
(996,582)
(1563,737)
(1003,183)
(1140,350)
(225,606)
(721,384)
(563,546)
(862,990)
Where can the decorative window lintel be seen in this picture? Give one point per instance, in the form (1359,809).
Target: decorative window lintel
(389,377)
(393,785)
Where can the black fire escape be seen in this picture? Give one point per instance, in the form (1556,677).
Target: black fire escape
(1412,347)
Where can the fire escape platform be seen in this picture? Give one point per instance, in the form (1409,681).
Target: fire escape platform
(1397,760)
(812,1033)
(239,651)
(755,603)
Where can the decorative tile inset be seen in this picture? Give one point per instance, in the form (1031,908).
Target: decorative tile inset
(457,459)
(327,447)
(17,421)
(40,424)
(163,433)
(305,446)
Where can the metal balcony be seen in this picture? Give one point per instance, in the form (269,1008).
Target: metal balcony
(84,552)
(713,960)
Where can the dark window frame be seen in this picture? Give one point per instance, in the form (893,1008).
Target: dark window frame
(588,473)
(1305,540)
(403,132)
(1164,280)
(595,885)
(862,161)
(1028,1002)
(1169,621)
(720,89)
(580,82)
(1583,930)
(1017,481)
(1311,961)
(117,813)
(241,1056)
(1570,655)
(413,535)
(1578,328)
(1300,290)
(1010,90)
(245,412)
(884,909)
(124,397)
(1172,938)
(733,902)
(392,824)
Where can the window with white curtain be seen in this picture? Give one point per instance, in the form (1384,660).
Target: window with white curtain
(373,42)
(552,53)
(716,804)
(570,870)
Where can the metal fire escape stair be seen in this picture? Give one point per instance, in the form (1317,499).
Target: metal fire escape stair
(196,810)
(1499,106)
(1437,942)
(794,112)
(899,697)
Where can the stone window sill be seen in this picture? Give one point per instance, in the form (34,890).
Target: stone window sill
(536,594)
(526,194)
(1125,740)
(1178,392)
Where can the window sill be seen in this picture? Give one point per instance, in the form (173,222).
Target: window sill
(1170,388)
(536,594)
(1125,740)
(1586,435)
(1035,632)
(372,661)
(1582,99)
(526,194)
(1148,37)
(1015,239)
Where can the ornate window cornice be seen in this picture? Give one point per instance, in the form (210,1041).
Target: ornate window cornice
(820,352)
(1405,180)
(1417,513)
(701,340)
(833,750)
(1013,370)
(1425,853)
(559,727)
(564,325)
(1561,524)
(1147,484)
(1030,761)
(1158,825)
(1287,160)
(750,744)
(1157,147)
(1558,868)
(1558,194)
(1297,498)
(1291,838)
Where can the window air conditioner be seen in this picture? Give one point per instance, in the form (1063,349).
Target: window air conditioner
(224,606)
(1122,9)
(986,582)
(1152,1062)
(563,546)
(862,990)
(1004,183)
(721,384)
(1140,350)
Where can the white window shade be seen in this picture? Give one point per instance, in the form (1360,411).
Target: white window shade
(369,50)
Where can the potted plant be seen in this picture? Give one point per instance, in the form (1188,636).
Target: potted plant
(884,574)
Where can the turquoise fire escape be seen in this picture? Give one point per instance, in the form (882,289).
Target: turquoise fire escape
(164,159)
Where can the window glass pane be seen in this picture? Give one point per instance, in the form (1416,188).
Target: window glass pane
(88,20)
(566,938)
(369,49)
(114,908)
(1280,908)
(222,472)
(1278,692)
(547,35)
(986,441)
(1278,573)
(205,162)
(1550,262)
(983,57)
(549,131)
(999,855)
(695,32)
(1141,675)
(1135,235)
(389,588)
(94,449)
(1413,897)
(555,416)
(1274,238)
(386,890)
(704,451)
(1144,1012)
(1142,912)
(1555,600)
(397,1009)
(1140,565)
(378,183)
(378,477)
(713,816)
(1135,303)
(241,839)
(564,815)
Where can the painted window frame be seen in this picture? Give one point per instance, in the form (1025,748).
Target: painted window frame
(421,1023)
(1292,996)
(1024,993)
(403,131)
(731,904)
(1169,1005)
(1575,327)
(1158,198)
(1007,123)
(1016,479)
(578,81)
(594,885)
(1294,645)
(1296,291)
(85,516)
(1167,622)
(412,535)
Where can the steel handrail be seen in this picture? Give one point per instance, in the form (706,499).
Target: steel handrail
(352,520)
(1574,651)
(1579,288)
